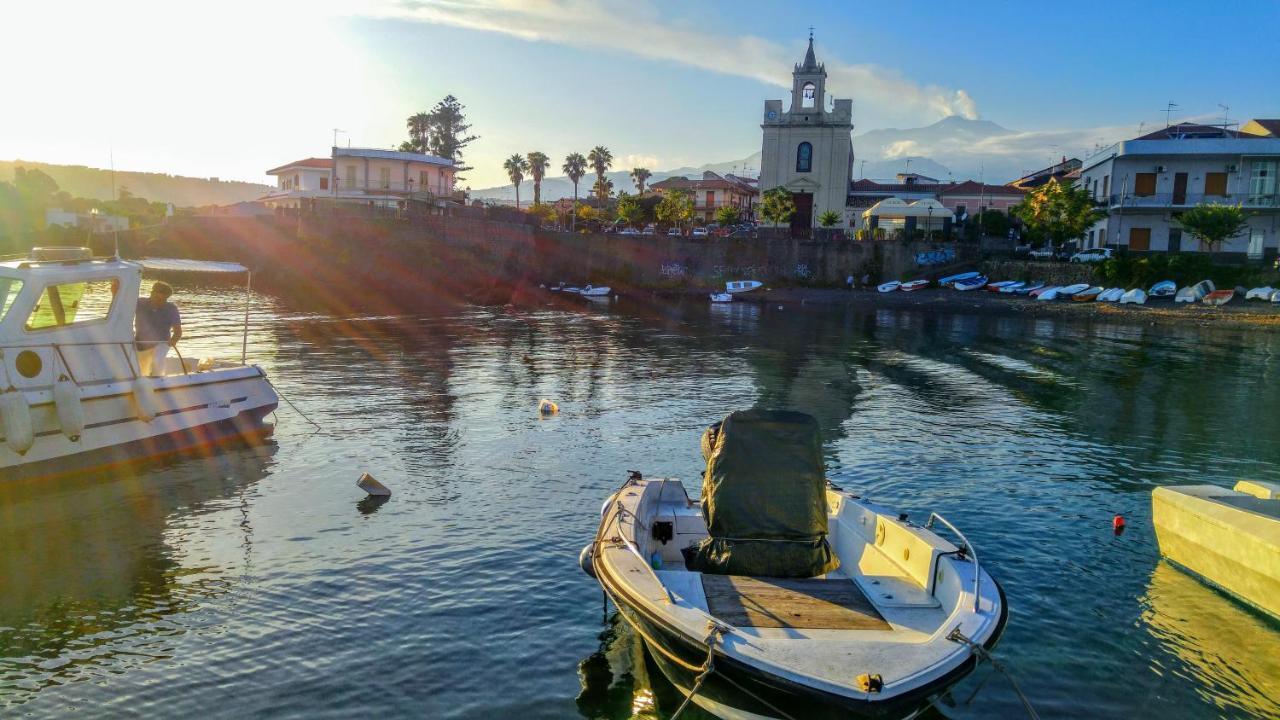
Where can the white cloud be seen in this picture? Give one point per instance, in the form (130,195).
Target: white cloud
(634,161)
(637,28)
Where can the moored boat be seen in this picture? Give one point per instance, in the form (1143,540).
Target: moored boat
(1194,293)
(1219,297)
(893,616)
(721,297)
(1087,295)
(1135,296)
(890,286)
(914,285)
(76,397)
(733,287)
(592,291)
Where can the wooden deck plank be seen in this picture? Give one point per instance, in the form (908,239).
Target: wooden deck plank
(805,603)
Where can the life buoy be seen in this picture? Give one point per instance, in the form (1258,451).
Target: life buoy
(66,400)
(144,399)
(15,413)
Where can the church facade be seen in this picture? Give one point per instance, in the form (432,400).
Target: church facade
(808,148)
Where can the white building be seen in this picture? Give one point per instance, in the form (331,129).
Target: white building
(808,149)
(365,175)
(1147,182)
(93,221)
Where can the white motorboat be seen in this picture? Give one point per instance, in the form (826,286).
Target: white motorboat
(1194,293)
(890,286)
(733,287)
(1260,293)
(1135,296)
(721,297)
(592,291)
(903,616)
(74,398)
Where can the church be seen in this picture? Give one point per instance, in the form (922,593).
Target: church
(808,149)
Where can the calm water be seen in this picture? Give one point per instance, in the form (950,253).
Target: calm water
(258,583)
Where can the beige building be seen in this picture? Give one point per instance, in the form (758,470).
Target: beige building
(366,175)
(714,191)
(808,149)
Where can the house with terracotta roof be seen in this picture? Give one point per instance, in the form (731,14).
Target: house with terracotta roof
(714,191)
(1146,183)
(385,178)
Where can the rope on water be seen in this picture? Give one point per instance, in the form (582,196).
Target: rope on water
(983,654)
(314,424)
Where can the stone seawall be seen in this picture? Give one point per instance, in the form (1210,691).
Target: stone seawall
(1051,272)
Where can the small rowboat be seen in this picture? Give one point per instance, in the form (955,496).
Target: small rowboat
(1087,295)
(721,297)
(1111,295)
(740,286)
(590,291)
(1037,292)
(1260,293)
(1195,293)
(1275,297)
(1135,297)
(914,285)
(1024,289)
(970,284)
(997,286)
(955,278)
(890,286)
(1050,293)
(1219,297)
(1164,288)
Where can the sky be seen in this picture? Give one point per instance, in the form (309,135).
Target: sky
(233,88)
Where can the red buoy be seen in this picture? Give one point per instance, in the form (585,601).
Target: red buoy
(1117,524)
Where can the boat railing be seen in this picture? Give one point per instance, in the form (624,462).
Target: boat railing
(968,549)
(121,345)
(618,512)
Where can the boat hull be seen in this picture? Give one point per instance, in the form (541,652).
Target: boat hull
(737,690)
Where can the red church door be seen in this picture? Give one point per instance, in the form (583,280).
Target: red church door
(802,221)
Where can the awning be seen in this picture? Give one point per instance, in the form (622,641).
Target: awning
(197,266)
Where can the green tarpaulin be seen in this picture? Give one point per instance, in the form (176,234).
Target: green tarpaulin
(764,497)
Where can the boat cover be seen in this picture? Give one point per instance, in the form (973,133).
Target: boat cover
(763,497)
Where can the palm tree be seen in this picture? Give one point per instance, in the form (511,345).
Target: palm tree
(575,166)
(539,163)
(640,176)
(601,160)
(418,125)
(602,188)
(515,166)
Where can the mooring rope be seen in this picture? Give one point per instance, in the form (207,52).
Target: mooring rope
(982,654)
(708,666)
(314,424)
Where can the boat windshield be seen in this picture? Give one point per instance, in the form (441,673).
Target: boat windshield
(9,289)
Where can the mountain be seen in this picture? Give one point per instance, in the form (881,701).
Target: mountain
(87,182)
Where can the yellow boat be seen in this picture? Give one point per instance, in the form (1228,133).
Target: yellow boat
(1229,538)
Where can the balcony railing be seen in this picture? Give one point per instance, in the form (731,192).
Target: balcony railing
(1163,200)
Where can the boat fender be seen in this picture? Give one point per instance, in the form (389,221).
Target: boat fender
(144,399)
(15,414)
(870,683)
(66,401)
(546,407)
(585,559)
(1117,524)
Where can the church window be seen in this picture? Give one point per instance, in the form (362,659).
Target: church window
(808,94)
(804,157)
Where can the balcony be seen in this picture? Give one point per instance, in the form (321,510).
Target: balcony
(1172,200)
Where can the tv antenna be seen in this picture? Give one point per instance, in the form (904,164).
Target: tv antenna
(335,136)
(1168,111)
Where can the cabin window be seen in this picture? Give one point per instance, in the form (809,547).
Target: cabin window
(804,157)
(72,304)
(9,289)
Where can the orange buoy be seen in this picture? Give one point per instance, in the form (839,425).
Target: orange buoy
(1117,524)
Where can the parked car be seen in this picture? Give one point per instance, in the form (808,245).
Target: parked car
(649,229)
(1042,253)
(628,231)
(1021,249)
(674,232)
(699,232)
(1092,255)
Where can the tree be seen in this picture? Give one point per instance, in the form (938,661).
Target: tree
(419,127)
(993,222)
(575,166)
(602,188)
(628,208)
(727,215)
(545,213)
(676,206)
(640,176)
(1213,225)
(447,131)
(828,219)
(539,163)
(1057,212)
(601,160)
(777,206)
(516,166)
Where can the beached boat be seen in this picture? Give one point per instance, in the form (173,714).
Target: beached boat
(1275,296)
(1163,289)
(721,297)
(969,284)
(1067,291)
(1231,538)
(890,286)
(1087,295)
(997,286)
(1111,295)
(894,615)
(958,276)
(733,287)
(75,397)
(1036,293)
(914,285)
(1260,293)
(1026,289)
(1194,293)
(1135,296)
(1219,297)
(592,291)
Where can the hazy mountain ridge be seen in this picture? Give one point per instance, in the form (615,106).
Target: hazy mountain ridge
(182,191)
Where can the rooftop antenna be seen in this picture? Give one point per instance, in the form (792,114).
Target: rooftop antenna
(1225,122)
(1142,125)
(335,136)
(1168,110)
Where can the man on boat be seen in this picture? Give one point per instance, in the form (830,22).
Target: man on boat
(157,327)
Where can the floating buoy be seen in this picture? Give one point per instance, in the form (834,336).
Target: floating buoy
(546,407)
(1117,524)
(66,401)
(373,487)
(585,560)
(15,416)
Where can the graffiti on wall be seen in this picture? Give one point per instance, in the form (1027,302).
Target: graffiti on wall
(936,257)
(674,270)
(739,271)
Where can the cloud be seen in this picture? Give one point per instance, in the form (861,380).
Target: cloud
(635,161)
(902,148)
(637,28)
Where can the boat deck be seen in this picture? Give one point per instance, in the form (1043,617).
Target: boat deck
(801,604)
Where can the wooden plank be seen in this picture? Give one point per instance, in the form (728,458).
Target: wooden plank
(809,603)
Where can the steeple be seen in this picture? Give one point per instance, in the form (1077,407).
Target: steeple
(810,61)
